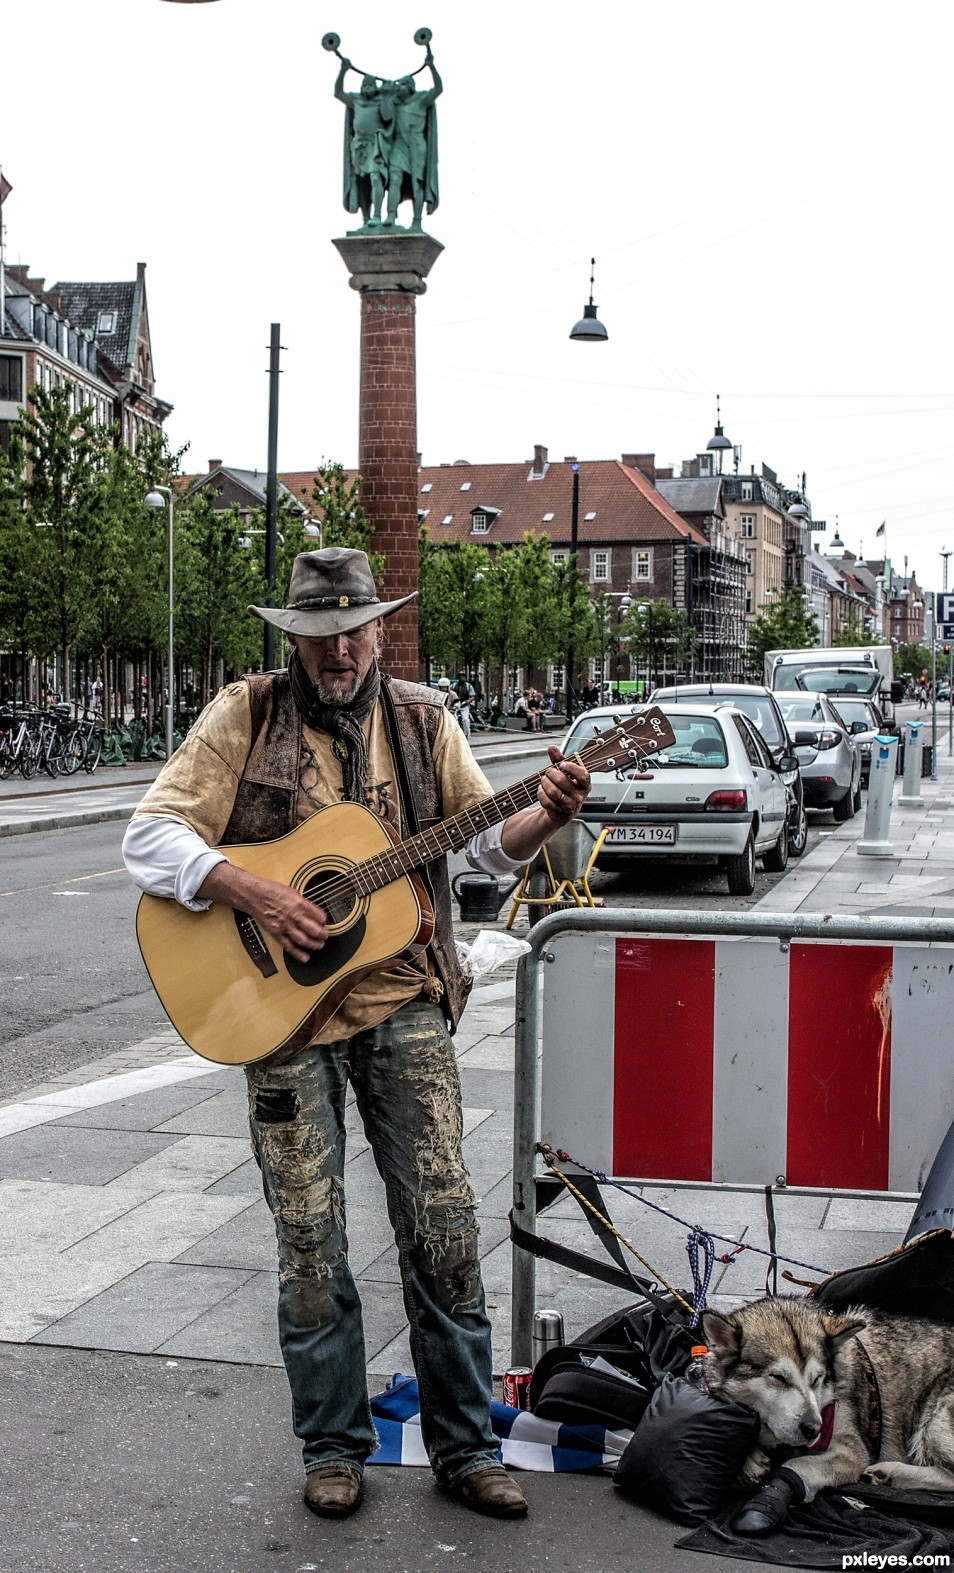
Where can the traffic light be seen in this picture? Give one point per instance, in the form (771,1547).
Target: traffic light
(947,649)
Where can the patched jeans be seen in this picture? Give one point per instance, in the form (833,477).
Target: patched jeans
(405,1079)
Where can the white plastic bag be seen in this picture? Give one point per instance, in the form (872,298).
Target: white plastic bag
(489,950)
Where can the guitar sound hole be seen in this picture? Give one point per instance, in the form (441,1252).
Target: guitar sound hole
(340,947)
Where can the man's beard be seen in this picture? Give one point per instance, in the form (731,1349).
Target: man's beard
(336,694)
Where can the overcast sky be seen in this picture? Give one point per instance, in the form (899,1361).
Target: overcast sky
(765,187)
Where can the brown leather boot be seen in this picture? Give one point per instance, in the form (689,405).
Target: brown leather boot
(334,1491)
(492,1491)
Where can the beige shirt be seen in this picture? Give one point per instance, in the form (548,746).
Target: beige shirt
(198,784)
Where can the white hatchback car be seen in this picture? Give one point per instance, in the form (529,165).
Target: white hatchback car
(715,793)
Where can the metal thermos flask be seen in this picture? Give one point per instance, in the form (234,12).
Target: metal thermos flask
(547,1332)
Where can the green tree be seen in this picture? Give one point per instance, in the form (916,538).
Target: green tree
(454,603)
(785,624)
(337,502)
(854,633)
(217,581)
(525,617)
(659,638)
(911,660)
(19,549)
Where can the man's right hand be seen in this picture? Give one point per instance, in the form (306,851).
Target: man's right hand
(298,924)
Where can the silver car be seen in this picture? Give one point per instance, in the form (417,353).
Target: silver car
(829,758)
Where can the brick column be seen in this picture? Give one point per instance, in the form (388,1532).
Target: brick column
(388,270)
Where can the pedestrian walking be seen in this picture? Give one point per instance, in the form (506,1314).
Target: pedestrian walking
(272,750)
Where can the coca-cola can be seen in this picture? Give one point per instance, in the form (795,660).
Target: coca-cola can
(516,1386)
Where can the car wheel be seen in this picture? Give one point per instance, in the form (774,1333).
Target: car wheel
(845,807)
(798,833)
(856,800)
(740,870)
(775,860)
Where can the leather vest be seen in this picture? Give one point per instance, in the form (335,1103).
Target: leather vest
(265,800)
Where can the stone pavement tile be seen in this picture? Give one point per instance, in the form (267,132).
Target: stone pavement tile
(38,1218)
(242,1327)
(824,1250)
(223,1114)
(247,1240)
(246,1180)
(144,1310)
(193,1162)
(864,1212)
(491,1053)
(39,1289)
(147,1111)
(486,1089)
(78,1157)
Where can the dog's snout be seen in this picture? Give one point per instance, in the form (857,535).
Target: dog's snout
(810,1429)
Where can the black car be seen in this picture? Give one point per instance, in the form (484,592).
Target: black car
(761,706)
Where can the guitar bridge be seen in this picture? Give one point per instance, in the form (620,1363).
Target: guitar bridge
(254,945)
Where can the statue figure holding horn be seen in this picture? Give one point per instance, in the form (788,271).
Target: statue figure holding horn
(390,145)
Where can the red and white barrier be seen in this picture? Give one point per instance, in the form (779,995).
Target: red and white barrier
(742,1060)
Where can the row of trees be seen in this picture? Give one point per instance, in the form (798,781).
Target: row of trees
(83,576)
(83,561)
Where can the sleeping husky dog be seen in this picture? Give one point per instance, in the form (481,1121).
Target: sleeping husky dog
(840,1397)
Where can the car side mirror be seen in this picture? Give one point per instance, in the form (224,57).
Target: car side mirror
(858,726)
(787,763)
(804,740)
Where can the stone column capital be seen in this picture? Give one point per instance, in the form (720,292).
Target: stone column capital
(390,262)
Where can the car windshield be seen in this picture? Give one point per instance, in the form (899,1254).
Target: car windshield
(755,706)
(839,680)
(804,709)
(855,710)
(700,742)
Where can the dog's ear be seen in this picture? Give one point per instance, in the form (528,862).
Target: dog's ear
(839,1328)
(721,1335)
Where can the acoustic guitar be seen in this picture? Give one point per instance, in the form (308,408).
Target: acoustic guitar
(235,995)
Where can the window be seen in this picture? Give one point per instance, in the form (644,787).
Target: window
(427,486)
(589,516)
(481,523)
(747,491)
(642,564)
(106,322)
(750,562)
(747,525)
(11,378)
(447,518)
(599,567)
(558,558)
(547,518)
(465,486)
(748,602)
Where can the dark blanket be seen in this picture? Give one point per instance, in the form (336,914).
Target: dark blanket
(838,1525)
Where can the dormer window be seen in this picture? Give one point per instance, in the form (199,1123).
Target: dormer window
(482,517)
(106,323)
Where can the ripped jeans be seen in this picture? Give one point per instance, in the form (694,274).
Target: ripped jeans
(405,1079)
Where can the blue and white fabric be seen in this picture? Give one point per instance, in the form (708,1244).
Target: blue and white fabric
(526,1440)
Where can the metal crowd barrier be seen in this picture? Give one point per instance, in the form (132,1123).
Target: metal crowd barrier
(796,1065)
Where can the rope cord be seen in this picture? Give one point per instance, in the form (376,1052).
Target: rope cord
(698,1240)
(549,1153)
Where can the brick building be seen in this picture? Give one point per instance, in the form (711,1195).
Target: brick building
(94,335)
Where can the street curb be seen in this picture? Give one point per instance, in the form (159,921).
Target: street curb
(92,816)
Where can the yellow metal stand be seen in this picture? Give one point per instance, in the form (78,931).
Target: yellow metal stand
(556,869)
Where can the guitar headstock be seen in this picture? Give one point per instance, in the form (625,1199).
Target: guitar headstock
(627,741)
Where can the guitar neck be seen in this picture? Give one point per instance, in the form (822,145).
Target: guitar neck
(449,836)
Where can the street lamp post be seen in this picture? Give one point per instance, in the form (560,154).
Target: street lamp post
(646,610)
(574,532)
(160,497)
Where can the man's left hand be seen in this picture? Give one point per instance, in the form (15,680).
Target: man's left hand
(563,787)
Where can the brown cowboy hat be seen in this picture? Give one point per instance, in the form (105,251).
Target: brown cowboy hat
(331,592)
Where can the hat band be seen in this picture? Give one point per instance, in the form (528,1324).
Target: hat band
(324,603)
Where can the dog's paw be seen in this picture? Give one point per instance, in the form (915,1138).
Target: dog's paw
(884,1474)
(755,1468)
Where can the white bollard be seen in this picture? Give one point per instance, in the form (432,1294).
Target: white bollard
(913,749)
(874,843)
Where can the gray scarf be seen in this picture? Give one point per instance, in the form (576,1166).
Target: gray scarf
(342,722)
